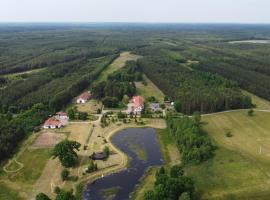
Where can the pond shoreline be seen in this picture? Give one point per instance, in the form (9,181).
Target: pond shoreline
(137,169)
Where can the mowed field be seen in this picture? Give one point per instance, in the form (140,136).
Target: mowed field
(241,166)
(117,64)
(149,90)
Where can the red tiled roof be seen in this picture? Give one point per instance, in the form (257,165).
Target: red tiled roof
(61,113)
(85,96)
(138,101)
(52,122)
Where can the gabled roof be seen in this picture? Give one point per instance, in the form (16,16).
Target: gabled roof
(52,122)
(61,113)
(138,101)
(85,96)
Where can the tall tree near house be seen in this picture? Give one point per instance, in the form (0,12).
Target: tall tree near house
(66,153)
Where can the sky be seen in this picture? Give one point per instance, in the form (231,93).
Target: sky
(176,11)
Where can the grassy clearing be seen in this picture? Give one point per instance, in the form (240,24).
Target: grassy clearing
(149,90)
(240,169)
(90,107)
(168,147)
(147,184)
(7,193)
(33,162)
(79,132)
(25,72)
(13,166)
(117,64)
(259,102)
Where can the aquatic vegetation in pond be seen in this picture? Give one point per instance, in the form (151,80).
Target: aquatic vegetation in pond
(109,193)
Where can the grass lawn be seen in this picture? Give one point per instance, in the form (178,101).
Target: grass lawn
(13,166)
(147,184)
(241,167)
(90,107)
(33,162)
(149,90)
(259,102)
(8,194)
(117,64)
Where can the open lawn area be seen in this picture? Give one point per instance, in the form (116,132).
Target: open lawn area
(241,166)
(117,64)
(259,102)
(90,107)
(147,184)
(7,193)
(150,89)
(33,162)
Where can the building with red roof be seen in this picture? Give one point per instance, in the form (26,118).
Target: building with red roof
(84,97)
(52,123)
(137,104)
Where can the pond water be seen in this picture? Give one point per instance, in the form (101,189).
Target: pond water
(142,147)
(251,41)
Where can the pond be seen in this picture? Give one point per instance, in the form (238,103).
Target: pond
(142,147)
(251,42)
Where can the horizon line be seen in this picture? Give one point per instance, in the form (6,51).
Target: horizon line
(131,22)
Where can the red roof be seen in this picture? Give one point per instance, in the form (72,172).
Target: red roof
(61,113)
(138,101)
(85,96)
(52,122)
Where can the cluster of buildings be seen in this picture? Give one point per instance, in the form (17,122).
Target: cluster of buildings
(57,121)
(61,118)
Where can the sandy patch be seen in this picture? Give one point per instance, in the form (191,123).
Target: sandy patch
(47,139)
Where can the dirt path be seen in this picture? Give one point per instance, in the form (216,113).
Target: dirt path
(13,171)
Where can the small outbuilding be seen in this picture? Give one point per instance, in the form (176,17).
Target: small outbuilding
(84,97)
(155,107)
(98,156)
(62,115)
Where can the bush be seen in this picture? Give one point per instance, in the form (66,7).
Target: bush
(106,151)
(250,112)
(92,167)
(64,174)
(42,196)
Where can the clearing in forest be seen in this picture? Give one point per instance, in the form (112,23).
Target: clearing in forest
(241,167)
(117,64)
(259,102)
(148,89)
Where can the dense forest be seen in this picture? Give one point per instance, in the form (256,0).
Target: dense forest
(194,89)
(43,67)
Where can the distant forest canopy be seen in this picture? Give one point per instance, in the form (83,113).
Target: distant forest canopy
(44,66)
(193,89)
